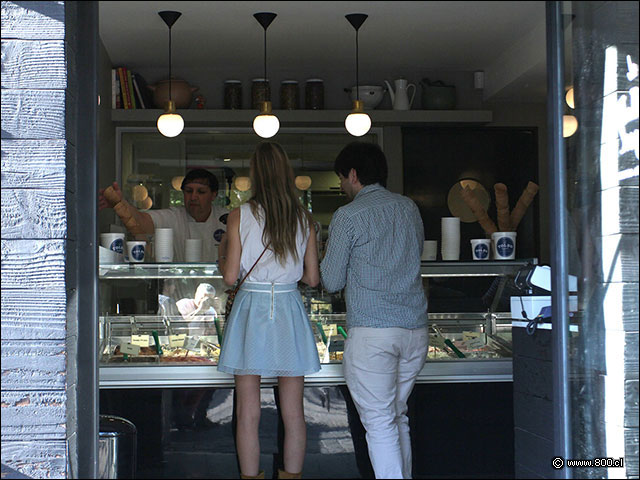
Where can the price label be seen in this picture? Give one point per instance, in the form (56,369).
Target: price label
(437,341)
(140,340)
(466,335)
(129,348)
(177,340)
(191,343)
(475,343)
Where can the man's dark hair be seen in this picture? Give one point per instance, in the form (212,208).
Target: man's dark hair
(367,159)
(201,174)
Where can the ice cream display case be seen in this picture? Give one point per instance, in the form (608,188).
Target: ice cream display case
(161,325)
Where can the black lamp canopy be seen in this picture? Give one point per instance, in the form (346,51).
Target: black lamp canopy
(169,17)
(356,19)
(265,18)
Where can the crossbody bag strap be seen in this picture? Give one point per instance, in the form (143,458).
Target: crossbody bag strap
(251,269)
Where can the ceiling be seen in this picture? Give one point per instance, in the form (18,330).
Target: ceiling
(213,41)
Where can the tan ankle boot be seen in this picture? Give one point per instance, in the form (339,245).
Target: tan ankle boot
(260,475)
(284,474)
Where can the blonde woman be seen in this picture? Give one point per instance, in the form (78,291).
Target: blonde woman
(268,332)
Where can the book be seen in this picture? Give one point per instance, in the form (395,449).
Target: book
(123,88)
(136,88)
(113,88)
(145,91)
(118,92)
(132,97)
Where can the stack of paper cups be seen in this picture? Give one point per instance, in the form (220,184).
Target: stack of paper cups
(164,245)
(193,250)
(430,250)
(450,248)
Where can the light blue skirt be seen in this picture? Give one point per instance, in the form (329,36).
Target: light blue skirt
(268,333)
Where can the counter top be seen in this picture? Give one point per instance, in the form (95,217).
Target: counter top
(491,268)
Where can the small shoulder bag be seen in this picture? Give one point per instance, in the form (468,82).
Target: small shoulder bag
(231,293)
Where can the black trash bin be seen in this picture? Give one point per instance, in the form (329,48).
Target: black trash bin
(117,448)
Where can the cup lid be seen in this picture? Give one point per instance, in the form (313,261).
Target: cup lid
(260,80)
(232,81)
(314,80)
(289,81)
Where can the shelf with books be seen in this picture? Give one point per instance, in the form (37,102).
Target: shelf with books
(129,90)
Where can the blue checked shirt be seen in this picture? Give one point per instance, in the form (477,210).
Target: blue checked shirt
(374,248)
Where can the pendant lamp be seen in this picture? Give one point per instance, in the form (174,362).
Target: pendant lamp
(266,125)
(170,123)
(357,122)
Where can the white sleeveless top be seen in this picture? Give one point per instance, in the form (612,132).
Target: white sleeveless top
(268,269)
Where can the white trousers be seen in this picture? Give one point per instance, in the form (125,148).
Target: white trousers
(380,368)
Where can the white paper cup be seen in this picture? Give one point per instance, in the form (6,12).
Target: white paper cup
(113,241)
(164,245)
(430,250)
(504,245)
(106,255)
(136,251)
(480,248)
(193,250)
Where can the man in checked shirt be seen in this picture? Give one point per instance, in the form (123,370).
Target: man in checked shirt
(373,251)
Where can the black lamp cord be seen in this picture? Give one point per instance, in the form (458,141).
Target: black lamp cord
(169,63)
(357,77)
(265,56)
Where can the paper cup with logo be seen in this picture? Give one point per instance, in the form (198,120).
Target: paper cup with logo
(504,245)
(480,248)
(113,241)
(136,251)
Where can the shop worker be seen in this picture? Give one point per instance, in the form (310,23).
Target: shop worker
(373,251)
(199,218)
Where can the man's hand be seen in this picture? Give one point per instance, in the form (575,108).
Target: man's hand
(109,197)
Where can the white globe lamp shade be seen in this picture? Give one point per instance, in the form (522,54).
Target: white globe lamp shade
(303,182)
(170,124)
(569,125)
(357,124)
(266,126)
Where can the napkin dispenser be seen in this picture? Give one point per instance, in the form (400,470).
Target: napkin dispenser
(535,283)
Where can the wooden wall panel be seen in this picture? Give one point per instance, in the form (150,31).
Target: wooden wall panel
(29,64)
(38,458)
(33,114)
(33,364)
(34,164)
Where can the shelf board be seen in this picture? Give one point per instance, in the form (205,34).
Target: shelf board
(305,117)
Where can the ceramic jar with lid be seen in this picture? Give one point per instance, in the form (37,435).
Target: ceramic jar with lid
(260,92)
(232,94)
(289,99)
(314,94)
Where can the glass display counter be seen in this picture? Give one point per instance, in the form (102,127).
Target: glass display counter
(161,325)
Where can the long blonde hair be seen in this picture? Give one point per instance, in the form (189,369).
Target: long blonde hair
(273,188)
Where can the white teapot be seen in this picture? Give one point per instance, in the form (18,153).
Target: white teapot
(400,97)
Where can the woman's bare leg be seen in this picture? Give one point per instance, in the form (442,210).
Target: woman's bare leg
(295,429)
(248,413)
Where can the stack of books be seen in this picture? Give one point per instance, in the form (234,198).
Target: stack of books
(129,90)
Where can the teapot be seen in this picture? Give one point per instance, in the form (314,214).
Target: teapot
(181,93)
(400,97)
